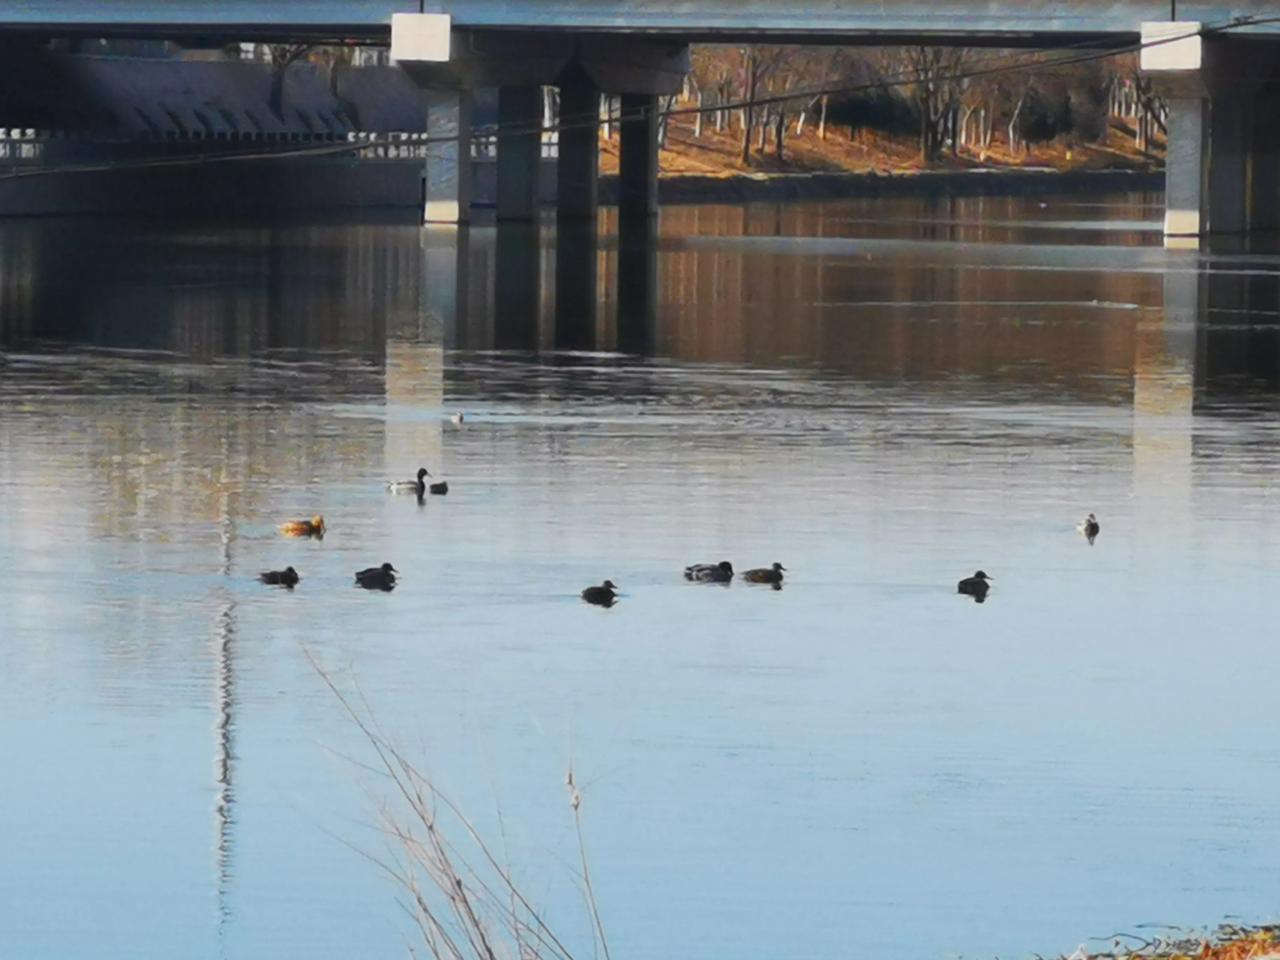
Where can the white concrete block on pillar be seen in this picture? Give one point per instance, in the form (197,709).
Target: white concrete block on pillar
(421,37)
(1172,45)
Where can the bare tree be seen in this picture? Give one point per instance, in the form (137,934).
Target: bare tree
(282,55)
(935,84)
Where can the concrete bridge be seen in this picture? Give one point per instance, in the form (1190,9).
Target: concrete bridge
(1216,64)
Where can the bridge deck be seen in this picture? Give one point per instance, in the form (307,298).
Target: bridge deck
(967,21)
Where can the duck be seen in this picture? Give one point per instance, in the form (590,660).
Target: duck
(603,595)
(765,574)
(377,578)
(288,577)
(304,528)
(975,586)
(409,486)
(457,419)
(721,572)
(1090,528)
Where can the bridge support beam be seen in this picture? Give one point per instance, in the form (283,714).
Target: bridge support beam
(577,193)
(1222,171)
(447,173)
(638,157)
(578,165)
(519,151)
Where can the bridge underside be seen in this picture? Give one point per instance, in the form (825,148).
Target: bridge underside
(1217,65)
(967,22)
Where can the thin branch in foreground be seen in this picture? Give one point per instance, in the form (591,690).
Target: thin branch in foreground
(464,903)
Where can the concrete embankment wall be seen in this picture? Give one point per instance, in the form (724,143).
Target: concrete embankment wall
(76,112)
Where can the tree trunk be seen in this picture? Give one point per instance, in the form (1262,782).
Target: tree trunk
(926,130)
(779,133)
(761,129)
(822,118)
(747,111)
(1013,122)
(606,109)
(665,104)
(800,123)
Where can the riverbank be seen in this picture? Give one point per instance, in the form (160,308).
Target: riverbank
(1227,943)
(782,187)
(705,165)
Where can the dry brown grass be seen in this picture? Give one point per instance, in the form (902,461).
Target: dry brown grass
(1228,943)
(717,154)
(459,893)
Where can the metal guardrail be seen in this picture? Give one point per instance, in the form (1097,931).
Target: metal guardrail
(24,147)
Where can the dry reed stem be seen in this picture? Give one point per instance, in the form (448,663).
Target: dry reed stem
(462,910)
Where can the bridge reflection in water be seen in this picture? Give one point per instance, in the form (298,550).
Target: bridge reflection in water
(1075,302)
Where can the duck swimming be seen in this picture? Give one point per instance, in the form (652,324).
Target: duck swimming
(288,577)
(377,578)
(304,528)
(1090,528)
(418,486)
(721,572)
(975,586)
(766,575)
(603,595)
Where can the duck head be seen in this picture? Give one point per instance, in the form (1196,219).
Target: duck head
(725,566)
(317,522)
(422,472)
(609,585)
(388,568)
(779,568)
(982,576)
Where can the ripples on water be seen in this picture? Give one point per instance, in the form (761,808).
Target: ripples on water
(884,397)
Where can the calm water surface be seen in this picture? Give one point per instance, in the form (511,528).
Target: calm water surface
(884,397)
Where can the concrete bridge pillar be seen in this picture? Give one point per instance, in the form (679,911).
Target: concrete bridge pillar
(638,156)
(578,163)
(519,151)
(1222,171)
(446,175)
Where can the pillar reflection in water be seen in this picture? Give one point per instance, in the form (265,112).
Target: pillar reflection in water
(1238,340)
(1164,372)
(518,289)
(414,383)
(444,294)
(637,283)
(577,253)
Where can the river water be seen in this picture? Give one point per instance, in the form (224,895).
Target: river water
(884,396)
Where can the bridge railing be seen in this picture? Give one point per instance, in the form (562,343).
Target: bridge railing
(28,147)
